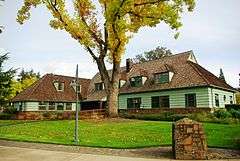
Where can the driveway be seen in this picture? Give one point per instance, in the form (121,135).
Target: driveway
(26,154)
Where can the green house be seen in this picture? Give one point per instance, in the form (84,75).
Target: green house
(176,81)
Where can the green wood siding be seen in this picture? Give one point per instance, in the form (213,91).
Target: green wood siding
(221,93)
(177,97)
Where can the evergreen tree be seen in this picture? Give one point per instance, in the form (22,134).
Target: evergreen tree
(221,75)
(5,80)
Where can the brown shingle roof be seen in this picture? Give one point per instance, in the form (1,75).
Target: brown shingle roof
(187,74)
(44,90)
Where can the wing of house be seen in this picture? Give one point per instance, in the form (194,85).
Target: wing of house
(177,81)
(51,92)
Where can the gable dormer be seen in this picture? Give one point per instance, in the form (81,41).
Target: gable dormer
(99,86)
(75,86)
(59,86)
(137,81)
(121,83)
(164,77)
(192,58)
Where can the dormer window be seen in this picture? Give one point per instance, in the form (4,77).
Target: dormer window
(136,81)
(162,77)
(59,86)
(121,83)
(99,86)
(76,86)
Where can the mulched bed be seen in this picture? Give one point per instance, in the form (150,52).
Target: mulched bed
(153,152)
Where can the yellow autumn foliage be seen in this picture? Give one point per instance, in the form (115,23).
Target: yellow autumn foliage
(122,18)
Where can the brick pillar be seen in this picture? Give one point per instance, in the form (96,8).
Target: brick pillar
(188,140)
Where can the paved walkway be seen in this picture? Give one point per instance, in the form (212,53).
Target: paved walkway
(26,154)
(23,151)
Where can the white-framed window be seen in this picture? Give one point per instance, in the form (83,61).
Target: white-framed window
(60,106)
(59,86)
(68,106)
(51,106)
(99,86)
(42,106)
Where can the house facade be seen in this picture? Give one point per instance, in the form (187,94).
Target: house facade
(51,93)
(177,81)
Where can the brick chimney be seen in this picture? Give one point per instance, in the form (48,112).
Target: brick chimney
(128,65)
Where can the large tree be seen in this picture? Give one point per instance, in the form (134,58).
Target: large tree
(107,40)
(6,77)
(158,53)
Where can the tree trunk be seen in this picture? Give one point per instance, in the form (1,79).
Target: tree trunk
(111,84)
(112,102)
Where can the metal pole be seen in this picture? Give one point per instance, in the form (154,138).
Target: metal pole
(77,102)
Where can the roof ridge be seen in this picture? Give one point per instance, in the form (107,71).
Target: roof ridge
(166,57)
(66,76)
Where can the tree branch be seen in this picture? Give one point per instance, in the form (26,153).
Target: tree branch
(65,24)
(147,3)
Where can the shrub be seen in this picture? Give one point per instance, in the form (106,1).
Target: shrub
(10,110)
(235,113)
(166,116)
(222,114)
(203,117)
(6,116)
(232,106)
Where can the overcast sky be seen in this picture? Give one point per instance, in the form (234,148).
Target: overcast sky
(212,31)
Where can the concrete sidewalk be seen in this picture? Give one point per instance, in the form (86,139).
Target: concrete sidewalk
(27,154)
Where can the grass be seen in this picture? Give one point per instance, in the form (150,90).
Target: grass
(114,134)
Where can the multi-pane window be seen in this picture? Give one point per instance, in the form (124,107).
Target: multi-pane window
(99,86)
(161,77)
(59,86)
(134,102)
(224,98)
(60,106)
(190,100)
(42,105)
(51,106)
(68,106)
(231,99)
(136,81)
(216,100)
(160,102)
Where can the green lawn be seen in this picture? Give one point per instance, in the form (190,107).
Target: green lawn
(114,134)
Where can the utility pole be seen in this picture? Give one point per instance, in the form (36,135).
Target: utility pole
(77,102)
